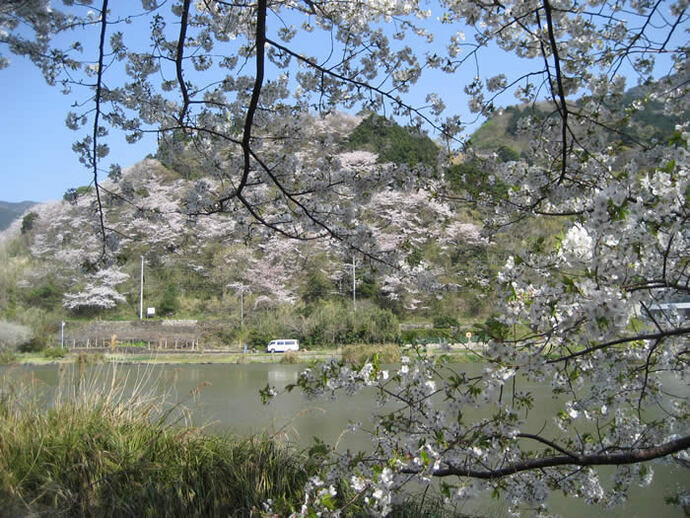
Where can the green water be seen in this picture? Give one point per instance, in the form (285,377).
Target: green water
(225,398)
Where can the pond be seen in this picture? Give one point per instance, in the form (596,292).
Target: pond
(225,399)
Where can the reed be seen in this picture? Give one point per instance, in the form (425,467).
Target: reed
(120,451)
(387,353)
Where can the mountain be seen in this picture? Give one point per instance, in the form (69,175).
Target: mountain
(9,211)
(205,264)
(647,121)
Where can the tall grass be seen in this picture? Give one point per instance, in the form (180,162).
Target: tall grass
(388,353)
(108,447)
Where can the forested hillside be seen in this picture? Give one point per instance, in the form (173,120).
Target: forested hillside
(207,265)
(644,120)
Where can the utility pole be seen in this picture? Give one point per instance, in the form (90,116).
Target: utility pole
(141,290)
(242,308)
(62,334)
(354,284)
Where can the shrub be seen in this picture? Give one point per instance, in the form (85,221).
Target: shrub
(169,303)
(28,222)
(259,337)
(289,357)
(36,344)
(445,321)
(7,357)
(357,354)
(47,295)
(54,352)
(13,335)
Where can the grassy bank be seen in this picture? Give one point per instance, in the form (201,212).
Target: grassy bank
(90,451)
(117,454)
(388,353)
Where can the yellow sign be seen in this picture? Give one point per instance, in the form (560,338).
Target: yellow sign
(468,335)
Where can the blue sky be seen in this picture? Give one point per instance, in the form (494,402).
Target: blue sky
(35,145)
(38,163)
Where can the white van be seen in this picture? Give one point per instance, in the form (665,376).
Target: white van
(280,346)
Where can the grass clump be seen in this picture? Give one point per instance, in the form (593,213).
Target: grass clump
(290,357)
(54,353)
(89,358)
(8,357)
(118,455)
(387,353)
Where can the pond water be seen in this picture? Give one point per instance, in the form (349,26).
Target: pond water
(225,399)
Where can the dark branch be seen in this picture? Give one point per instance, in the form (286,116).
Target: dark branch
(178,60)
(96,120)
(360,84)
(260,44)
(563,109)
(655,336)
(629,456)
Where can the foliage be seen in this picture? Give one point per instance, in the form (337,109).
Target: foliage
(36,344)
(47,295)
(334,323)
(8,357)
(109,455)
(317,287)
(260,338)
(169,303)
(445,321)
(28,222)
(507,154)
(392,143)
(13,335)
(54,353)
(73,194)
(359,353)
(583,308)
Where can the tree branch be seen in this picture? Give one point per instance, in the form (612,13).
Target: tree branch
(178,60)
(357,83)
(655,336)
(631,456)
(96,121)
(563,109)
(260,43)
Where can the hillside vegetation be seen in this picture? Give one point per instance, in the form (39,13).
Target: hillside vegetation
(210,265)
(222,267)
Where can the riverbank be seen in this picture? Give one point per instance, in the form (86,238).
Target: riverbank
(213,356)
(107,442)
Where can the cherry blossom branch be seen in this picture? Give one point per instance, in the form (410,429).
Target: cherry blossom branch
(360,84)
(96,121)
(260,44)
(630,456)
(655,336)
(178,60)
(563,109)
